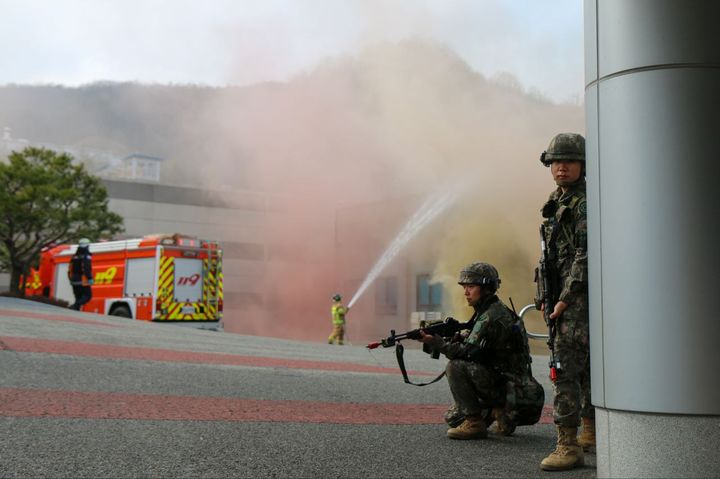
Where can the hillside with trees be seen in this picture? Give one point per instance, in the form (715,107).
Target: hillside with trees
(392,107)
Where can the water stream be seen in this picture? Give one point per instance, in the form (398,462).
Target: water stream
(433,206)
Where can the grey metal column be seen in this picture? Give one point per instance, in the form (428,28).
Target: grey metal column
(653,155)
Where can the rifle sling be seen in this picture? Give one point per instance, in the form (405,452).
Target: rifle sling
(399,350)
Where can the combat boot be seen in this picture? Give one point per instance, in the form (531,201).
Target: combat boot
(586,440)
(504,425)
(568,453)
(473,427)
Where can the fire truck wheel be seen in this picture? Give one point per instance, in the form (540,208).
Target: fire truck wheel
(121,310)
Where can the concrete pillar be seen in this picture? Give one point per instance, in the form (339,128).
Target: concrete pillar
(653,156)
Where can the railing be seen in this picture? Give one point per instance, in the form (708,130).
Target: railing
(522,313)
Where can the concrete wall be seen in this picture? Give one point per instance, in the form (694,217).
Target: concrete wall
(238,220)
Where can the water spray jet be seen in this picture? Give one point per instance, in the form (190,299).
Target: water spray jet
(432,207)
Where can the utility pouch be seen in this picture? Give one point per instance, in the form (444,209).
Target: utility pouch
(539,290)
(549,209)
(561,212)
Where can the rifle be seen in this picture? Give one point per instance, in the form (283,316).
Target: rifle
(445,329)
(549,301)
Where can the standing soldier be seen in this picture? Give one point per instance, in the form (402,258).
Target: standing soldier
(565,265)
(338,312)
(80,274)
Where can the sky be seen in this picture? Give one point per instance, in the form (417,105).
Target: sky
(242,42)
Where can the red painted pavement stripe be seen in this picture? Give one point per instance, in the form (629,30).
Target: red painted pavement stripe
(54,317)
(98,405)
(73,348)
(15,402)
(547,415)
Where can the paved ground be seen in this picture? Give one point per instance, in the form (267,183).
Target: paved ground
(83,395)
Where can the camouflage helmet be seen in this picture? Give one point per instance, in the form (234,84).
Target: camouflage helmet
(337,297)
(564,146)
(483,274)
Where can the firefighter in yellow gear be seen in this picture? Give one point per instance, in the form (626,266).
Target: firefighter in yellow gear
(338,318)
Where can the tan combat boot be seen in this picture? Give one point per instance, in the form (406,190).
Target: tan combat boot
(567,455)
(473,427)
(587,436)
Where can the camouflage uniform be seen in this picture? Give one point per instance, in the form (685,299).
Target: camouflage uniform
(485,366)
(566,238)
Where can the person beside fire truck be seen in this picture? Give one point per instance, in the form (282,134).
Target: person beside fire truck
(80,274)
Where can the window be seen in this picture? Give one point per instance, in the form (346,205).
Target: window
(429,295)
(386,295)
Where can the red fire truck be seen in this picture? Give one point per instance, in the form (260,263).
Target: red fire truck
(155,278)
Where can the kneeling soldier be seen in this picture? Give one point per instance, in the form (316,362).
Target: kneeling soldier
(489,369)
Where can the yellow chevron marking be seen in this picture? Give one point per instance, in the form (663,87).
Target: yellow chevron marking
(220,285)
(167,284)
(212,288)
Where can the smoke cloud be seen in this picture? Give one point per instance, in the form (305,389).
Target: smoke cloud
(349,148)
(396,120)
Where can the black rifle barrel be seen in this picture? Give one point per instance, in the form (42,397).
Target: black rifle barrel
(549,295)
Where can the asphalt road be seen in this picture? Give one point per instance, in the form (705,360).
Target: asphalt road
(83,395)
